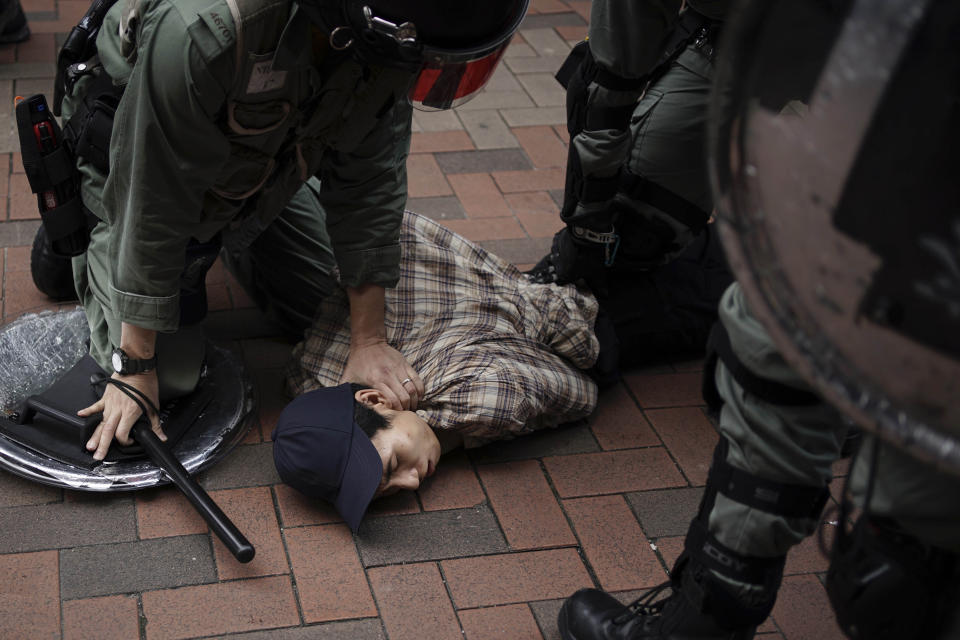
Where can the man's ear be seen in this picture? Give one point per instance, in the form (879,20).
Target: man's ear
(369,397)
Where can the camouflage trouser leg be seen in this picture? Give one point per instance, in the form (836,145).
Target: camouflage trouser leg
(180,355)
(797,445)
(669,148)
(290,267)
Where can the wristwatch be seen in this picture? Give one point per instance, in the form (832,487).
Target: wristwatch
(126,366)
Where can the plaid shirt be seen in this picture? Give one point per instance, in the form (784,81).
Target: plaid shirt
(498,356)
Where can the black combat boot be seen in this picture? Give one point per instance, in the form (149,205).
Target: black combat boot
(699,607)
(716,593)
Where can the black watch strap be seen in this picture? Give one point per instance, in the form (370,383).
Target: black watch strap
(126,366)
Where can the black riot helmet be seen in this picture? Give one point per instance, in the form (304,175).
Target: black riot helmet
(453,47)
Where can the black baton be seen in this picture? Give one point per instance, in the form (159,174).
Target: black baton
(219,523)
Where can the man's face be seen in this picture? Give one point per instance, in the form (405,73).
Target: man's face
(408,448)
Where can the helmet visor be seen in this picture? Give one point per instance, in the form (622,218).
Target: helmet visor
(448,80)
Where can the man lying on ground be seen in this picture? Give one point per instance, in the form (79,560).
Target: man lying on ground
(498,356)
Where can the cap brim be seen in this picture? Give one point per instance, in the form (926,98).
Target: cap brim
(361,477)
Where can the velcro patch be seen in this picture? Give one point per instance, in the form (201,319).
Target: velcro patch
(218,19)
(263,78)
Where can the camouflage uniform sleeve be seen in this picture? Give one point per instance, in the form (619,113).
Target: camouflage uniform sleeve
(165,153)
(364,192)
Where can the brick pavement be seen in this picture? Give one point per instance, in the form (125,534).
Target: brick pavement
(485,549)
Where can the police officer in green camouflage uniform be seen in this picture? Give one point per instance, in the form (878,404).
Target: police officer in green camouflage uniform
(895,575)
(275,128)
(637,190)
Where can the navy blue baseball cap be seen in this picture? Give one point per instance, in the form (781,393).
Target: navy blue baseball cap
(320,451)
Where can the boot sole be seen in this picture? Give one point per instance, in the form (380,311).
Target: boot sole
(562,625)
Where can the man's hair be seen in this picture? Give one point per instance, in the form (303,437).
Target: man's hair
(365,417)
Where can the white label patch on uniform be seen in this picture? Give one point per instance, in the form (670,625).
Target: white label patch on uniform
(264,78)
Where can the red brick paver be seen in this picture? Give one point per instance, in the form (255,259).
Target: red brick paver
(525,506)
(803,612)
(455,485)
(30,606)
(107,618)
(665,389)
(330,581)
(229,607)
(516,577)
(592,474)
(252,511)
(166,512)
(618,422)
(557,505)
(511,622)
(413,602)
(690,437)
(614,545)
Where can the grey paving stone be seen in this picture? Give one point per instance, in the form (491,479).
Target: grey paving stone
(549,20)
(8,125)
(545,612)
(514,99)
(431,535)
(488,130)
(544,89)
(437,120)
(29,70)
(136,566)
(518,250)
(502,80)
(561,441)
(557,196)
(350,630)
(93,519)
(483,161)
(519,50)
(248,465)
(16,492)
(537,64)
(18,233)
(535,116)
(438,207)
(667,512)
(41,16)
(545,41)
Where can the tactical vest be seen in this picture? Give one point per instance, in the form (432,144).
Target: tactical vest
(278,122)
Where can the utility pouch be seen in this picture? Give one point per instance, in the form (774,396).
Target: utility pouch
(52,174)
(92,125)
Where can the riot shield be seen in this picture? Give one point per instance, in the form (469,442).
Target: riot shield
(37,349)
(833,152)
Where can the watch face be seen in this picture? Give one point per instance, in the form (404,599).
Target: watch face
(117,362)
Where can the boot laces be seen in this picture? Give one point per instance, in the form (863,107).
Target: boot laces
(645,605)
